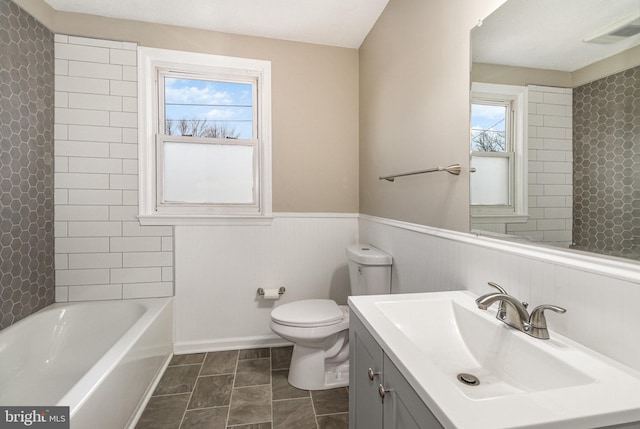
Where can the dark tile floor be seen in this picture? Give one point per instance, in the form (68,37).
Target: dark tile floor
(245,389)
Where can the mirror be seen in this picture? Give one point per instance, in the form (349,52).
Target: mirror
(571,152)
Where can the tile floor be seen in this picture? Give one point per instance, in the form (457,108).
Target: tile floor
(245,389)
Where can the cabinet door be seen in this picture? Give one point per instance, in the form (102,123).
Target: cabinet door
(365,404)
(403,408)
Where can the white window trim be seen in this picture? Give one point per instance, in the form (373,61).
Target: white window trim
(149,60)
(518,212)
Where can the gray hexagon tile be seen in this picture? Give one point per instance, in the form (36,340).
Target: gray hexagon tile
(26,166)
(606,147)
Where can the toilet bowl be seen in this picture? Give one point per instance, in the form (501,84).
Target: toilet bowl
(319,328)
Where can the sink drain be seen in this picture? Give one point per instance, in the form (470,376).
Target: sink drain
(468,379)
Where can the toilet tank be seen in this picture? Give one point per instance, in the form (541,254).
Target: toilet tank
(369,270)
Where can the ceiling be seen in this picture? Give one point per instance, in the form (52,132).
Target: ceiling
(548,34)
(342,23)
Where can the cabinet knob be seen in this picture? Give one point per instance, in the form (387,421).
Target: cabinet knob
(382,391)
(372,374)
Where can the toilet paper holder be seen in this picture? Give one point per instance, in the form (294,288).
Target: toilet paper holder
(260,291)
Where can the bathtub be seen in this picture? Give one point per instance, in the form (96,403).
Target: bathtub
(100,358)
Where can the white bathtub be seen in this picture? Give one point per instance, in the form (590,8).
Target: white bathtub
(99,358)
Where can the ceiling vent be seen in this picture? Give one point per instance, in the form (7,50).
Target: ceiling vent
(618,31)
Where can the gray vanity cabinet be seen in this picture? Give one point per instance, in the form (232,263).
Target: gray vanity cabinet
(379,396)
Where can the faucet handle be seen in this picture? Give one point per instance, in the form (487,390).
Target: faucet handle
(538,321)
(497,286)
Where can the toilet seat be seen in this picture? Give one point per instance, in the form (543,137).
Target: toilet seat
(308,313)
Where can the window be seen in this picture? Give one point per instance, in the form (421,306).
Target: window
(204,138)
(498,152)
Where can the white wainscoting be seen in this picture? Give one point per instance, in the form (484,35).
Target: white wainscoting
(219,268)
(601,297)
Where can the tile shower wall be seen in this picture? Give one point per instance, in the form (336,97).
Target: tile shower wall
(102,252)
(550,158)
(607,168)
(26,167)
(550,165)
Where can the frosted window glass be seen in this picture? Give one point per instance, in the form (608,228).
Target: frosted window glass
(208,173)
(490,182)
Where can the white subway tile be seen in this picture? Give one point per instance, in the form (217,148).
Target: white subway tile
(60,132)
(536,143)
(551,224)
(530,225)
(88,41)
(550,179)
(82,245)
(563,235)
(558,167)
(136,275)
(126,213)
(86,149)
(551,155)
(550,201)
(61,99)
(130,135)
(167,244)
(95,134)
(81,53)
(95,292)
(123,150)
(123,119)
(536,190)
(61,164)
(86,213)
(82,277)
(62,294)
(130,198)
(61,67)
(60,196)
(167,274)
(95,70)
(557,121)
(61,261)
(125,88)
(135,244)
(557,212)
(131,46)
(124,57)
(561,190)
(81,181)
(129,166)
(124,181)
(558,144)
(147,259)
(129,73)
(95,102)
(147,290)
(82,117)
(536,120)
(95,229)
(60,229)
(536,166)
(550,132)
(95,197)
(95,260)
(130,104)
(95,165)
(535,97)
(134,229)
(563,99)
(551,110)
(81,84)
(60,38)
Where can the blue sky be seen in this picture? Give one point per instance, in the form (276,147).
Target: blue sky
(214,101)
(487,117)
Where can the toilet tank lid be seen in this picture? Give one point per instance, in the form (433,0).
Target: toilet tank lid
(368,255)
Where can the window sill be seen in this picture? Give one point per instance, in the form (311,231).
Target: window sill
(512,218)
(204,220)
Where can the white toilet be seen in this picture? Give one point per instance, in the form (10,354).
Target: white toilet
(319,328)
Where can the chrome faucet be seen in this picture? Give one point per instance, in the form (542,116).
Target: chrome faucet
(514,313)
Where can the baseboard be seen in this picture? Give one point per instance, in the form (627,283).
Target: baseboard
(236,343)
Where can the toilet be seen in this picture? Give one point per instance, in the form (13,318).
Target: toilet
(319,328)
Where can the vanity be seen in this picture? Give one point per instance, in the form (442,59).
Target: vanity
(435,360)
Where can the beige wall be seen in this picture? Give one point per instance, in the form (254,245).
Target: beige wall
(414,110)
(315,102)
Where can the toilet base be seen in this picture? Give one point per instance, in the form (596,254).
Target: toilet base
(311,370)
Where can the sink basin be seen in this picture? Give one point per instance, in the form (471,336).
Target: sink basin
(458,340)
(523,382)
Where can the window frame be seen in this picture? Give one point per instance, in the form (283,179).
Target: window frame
(153,65)
(516,148)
